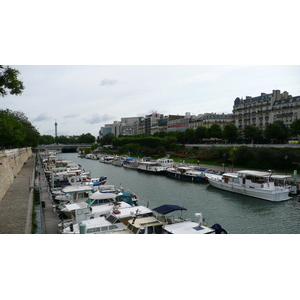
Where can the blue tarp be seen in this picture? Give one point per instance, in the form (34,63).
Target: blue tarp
(167,208)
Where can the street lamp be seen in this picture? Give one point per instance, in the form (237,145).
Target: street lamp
(224,155)
(285,157)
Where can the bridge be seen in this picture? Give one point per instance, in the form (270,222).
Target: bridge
(63,148)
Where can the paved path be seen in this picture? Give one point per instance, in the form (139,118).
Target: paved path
(16,205)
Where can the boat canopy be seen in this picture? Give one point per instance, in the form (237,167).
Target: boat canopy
(126,197)
(255,173)
(167,208)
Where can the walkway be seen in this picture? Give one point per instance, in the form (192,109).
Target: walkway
(16,205)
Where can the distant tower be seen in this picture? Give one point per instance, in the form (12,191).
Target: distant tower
(55,130)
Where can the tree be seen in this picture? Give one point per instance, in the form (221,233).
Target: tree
(9,81)
(189,135)
(295,127)
(230,132)
(251,132)
(200,133)
(86,139)
(107,139)
(274,131)
(214,131)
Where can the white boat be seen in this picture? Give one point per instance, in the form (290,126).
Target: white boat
(91,156)
(98,198)
(176,224)
(130,163)
(188,173)
(258,184)
(94,226)
(107,159)
(74,193)
(158,166)
(115,220)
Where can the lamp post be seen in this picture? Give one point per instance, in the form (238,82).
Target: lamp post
(286,157)
(224,155)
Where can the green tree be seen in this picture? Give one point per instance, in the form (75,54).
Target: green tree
(107,139)
(46,140)
(9,81)
(251,132)
(189,135)
(200,133)
(230,132)
(86,139)
(295,127)
(214,131)
(275,132)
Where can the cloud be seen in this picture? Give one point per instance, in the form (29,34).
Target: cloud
(108,82)
(42,117)
(96,118)
(71,116)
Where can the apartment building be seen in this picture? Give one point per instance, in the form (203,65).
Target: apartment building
(262,110)
(209,119)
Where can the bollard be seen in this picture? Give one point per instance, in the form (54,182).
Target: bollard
(54,208)
(82,228)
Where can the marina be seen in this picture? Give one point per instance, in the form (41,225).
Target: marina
(238,214)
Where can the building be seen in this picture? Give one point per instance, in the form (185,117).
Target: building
(265,109)
(209,119)
(179,123)
(128,125)
(151,123)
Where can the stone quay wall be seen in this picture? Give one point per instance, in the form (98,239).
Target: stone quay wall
(11,162)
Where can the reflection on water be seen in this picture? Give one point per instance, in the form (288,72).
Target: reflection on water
(236,213)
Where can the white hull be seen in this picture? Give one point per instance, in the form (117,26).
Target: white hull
(274,195)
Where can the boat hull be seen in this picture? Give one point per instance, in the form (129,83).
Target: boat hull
(269,195)
(199,179)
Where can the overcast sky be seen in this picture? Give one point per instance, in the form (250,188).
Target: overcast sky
(89,65)
(84,98)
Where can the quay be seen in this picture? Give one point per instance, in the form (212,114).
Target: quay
(17,204)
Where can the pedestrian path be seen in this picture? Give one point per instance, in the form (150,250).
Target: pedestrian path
(16,205)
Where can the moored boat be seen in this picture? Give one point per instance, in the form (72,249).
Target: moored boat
(187,173)
(158,166)
(257,184)
(176,224)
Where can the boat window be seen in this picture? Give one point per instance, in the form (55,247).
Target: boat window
(79,212)
(150,230)
(104,228)
(91,230)
(134,229)
(158,229)
(112,227)
(86,210)
(112,219)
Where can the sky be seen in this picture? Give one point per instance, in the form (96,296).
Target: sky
(85,66)
(83,98)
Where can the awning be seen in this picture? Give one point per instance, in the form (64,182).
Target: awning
(167,208)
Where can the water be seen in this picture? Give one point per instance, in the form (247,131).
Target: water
(236,213)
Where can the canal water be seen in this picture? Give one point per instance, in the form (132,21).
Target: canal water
(236,213)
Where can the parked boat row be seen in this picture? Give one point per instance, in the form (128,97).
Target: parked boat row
(257,184)
(107,209)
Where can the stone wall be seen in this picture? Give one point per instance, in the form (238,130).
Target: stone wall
(11,162)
